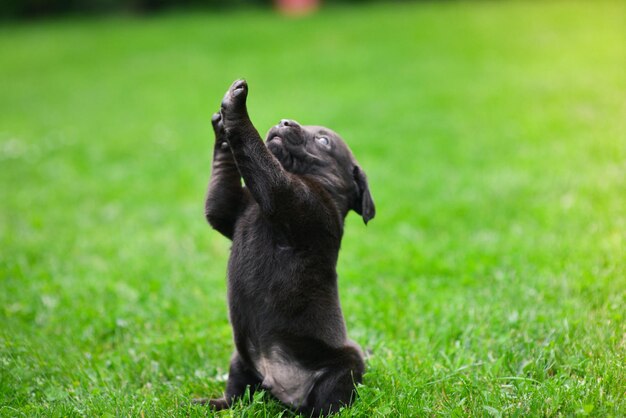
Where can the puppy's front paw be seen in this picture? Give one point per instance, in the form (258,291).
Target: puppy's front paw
(234,101)
(218,128)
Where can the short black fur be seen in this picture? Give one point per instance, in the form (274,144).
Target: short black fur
(286,226)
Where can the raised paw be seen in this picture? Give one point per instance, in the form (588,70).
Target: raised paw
(218,128)
(234,101)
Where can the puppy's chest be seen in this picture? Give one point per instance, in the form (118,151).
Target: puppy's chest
(260,257)
(267,268)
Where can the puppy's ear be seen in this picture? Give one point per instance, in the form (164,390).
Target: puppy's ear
(363,202)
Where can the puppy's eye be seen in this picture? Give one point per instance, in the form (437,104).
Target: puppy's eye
(323,140)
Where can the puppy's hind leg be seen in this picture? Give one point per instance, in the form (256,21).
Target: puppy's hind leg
(331,392)
(336,387)
(239,378)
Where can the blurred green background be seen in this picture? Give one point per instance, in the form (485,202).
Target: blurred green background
(26,9)
(492,281)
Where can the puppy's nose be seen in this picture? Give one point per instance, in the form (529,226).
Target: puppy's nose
(288,122)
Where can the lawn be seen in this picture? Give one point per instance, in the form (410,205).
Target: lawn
(492,281)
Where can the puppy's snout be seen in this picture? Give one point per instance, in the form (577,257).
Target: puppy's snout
(289,122)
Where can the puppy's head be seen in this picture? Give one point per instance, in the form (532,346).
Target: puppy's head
(319,152)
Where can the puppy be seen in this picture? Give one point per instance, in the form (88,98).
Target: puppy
(286,225)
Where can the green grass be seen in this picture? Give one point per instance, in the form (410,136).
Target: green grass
(491,283)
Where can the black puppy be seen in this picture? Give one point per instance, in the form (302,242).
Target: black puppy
(286,226)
